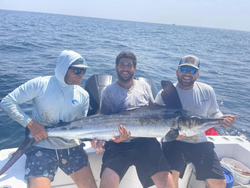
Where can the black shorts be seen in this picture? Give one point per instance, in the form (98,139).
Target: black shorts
(202,155)
(144,153)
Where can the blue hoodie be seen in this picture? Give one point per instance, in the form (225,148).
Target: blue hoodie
(53,101)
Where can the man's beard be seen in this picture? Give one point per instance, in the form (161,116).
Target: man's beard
(129,78)
(186,84)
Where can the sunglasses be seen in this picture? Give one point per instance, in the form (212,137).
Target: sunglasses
(78,71)
(192,70)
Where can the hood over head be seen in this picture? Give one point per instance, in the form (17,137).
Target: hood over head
(65,59)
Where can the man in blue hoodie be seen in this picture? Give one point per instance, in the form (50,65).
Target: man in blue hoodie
(55,98)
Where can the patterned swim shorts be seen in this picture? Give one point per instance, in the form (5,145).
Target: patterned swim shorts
(43,162)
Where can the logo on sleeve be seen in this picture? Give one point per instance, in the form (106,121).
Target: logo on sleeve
(74,101)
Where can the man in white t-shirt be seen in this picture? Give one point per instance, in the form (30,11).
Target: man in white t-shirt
(200,99)
(123,151)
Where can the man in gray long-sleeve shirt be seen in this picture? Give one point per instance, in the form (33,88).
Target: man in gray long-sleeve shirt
(200,99)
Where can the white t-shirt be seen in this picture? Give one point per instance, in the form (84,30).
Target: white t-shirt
(200,100)
(115,98)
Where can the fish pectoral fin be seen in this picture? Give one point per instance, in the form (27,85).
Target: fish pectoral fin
(171,135)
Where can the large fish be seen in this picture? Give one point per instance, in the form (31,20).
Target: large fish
(148,121)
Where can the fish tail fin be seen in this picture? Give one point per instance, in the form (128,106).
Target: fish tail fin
(170,95)
(20,151)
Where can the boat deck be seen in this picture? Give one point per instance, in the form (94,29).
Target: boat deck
(225,146)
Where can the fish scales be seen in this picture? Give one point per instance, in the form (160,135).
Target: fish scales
(107,127)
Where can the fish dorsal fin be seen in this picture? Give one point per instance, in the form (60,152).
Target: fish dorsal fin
(170,95)
(152,107)
(152,111)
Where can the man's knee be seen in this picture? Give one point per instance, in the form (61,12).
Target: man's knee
(217,183)
(109,179)
(175,175)
(163,179)
(84,178)
(39,182)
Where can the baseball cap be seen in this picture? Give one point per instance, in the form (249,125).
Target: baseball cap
(80,63)
(190,60)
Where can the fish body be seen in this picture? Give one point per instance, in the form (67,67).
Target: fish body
(147,121)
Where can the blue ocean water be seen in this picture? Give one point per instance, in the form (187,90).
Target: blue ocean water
(31,42)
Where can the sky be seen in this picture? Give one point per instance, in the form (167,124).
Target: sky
(224,14)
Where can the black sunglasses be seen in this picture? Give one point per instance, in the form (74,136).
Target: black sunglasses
(78,71)
(192,70)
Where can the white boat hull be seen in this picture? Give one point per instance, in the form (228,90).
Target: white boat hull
(225,146)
